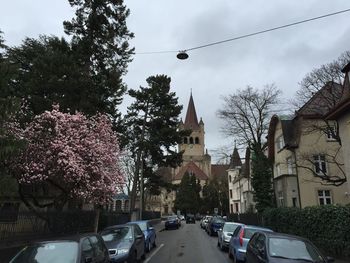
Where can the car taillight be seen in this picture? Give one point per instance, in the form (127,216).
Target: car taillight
(241,237)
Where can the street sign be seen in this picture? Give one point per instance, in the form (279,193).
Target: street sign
(216,210)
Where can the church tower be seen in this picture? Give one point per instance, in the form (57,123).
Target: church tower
(194,144)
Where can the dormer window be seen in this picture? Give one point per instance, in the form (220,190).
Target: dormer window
(331,133)
(279,142)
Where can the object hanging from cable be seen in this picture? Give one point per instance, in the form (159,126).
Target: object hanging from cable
(182,55)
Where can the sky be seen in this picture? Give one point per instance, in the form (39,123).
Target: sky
(281,57)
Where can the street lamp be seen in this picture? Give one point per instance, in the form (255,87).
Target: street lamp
(182,55)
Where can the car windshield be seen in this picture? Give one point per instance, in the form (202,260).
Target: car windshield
(53,252)
(142,225)
(218,220)
(172,218)
(115,234)
(230,228)
(293,249)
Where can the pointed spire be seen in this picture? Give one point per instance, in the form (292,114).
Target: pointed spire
(346,84)
(235,159)
(191,121)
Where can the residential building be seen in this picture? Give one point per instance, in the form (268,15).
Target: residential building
(341,114)
(307,159)
(239,184)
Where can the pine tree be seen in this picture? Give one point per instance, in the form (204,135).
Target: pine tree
(100,37)
(187,196)
(152,130)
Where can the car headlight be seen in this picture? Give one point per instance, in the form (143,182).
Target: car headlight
(122,250)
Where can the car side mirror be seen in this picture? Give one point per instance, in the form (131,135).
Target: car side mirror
(88,259)
(330,259)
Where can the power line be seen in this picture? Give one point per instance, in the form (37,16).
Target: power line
(249,35)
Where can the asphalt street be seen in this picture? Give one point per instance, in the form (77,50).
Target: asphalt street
(189,244)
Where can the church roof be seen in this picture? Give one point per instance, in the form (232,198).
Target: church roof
(191,167)
(218,170)
(235,159)
(191,121)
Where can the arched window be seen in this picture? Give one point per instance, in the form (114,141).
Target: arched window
(191,140)
(185,140)
(197,140)
(118,205)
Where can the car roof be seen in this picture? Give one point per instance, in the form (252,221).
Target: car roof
(119,226)
(283,235)
(68,238)
(137,222)
(257,227)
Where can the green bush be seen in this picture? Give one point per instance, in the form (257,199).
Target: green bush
(328,227)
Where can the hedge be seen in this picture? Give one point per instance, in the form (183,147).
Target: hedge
(328,227)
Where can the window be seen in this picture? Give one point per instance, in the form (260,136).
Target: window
(291,166)
(294,200)
(231,208)
(230,178)
(237,207)
(280,198)
(279,142)
(320,164)
(324,197)
(185,140)
(331,133)
(278,169)
(191,140)
(230,193)
(197,140)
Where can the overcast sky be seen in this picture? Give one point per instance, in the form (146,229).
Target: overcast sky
(282,57)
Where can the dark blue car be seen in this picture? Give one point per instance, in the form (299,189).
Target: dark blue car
(149,233)
(172,222)
(215,224)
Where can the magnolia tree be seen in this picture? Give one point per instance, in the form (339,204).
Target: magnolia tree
(75,157)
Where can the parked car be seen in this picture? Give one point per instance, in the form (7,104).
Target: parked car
(214,225)
(172,222)
(190,219)
(270,247)
(124,242)
(182,217)
(74,249)
(205,221)
(225,233)
(239,240)
(148,232)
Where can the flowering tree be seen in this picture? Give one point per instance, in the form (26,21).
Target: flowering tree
(75,157)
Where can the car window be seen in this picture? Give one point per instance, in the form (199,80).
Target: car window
(138,230)
(52,252)
(114,234)
(142,225)
(87,250)
(248,232)
(260,242)
(236,231)
(97,246)
(293,249)
(230,228)
(252,241)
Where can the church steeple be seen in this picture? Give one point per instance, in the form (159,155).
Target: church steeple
(191,121)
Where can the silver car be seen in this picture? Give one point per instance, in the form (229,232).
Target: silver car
(205,221)
(225,233)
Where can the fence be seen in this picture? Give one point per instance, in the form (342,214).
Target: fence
(248,219)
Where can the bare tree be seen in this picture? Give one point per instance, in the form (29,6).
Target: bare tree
(246,114)
(317,79)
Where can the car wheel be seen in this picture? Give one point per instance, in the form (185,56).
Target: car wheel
(229,252)
(149,246)
(132,258)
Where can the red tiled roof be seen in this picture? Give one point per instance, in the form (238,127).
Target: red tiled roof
(191,167)
(218,170)
(191,121)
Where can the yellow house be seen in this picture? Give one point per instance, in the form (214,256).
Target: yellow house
(308,161)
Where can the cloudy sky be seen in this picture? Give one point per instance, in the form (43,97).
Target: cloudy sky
(282,57)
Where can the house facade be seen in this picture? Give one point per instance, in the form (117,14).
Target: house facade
(308,161)
(239,184)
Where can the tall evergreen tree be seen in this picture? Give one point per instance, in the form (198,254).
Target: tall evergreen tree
(152,129)
(187,196)
(262,180)
(100,37)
